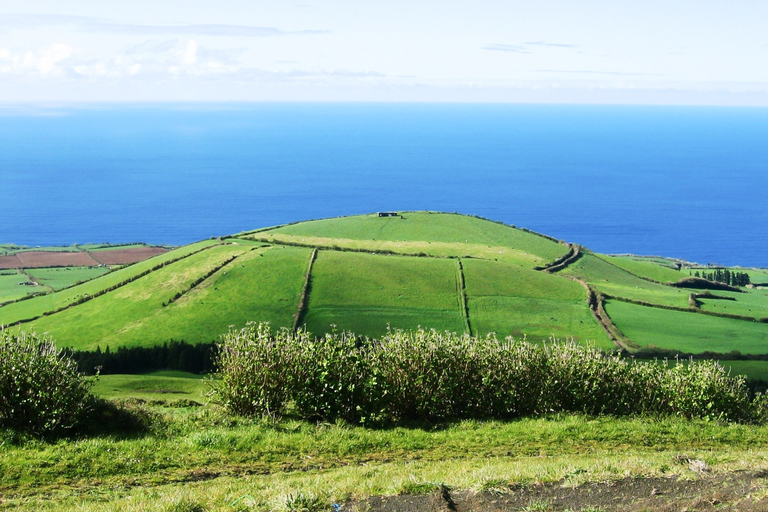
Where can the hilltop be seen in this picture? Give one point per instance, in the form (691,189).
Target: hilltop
(368,273)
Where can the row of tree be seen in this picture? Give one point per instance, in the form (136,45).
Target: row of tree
(173,355)
(720,275)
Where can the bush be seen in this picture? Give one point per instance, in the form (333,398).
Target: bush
(437,376)
(255,366)
(41,391)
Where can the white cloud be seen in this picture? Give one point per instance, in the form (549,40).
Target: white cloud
(189,56)
(47,60)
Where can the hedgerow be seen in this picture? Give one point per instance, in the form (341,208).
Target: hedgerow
(437,376)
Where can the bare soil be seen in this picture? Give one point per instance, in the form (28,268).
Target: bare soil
(739,491)
(126,256)
(42,259)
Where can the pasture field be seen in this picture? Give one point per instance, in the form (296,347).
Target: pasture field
(428,227)
(168,386)
(753,303)
(364,293)
(8,249)
(10,289)
(617,282)
(63,277)
(512,300)
(647,268)
(116,318)
(687,332)
(752,369)
(13,313)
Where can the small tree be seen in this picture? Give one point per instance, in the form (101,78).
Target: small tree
(41,391)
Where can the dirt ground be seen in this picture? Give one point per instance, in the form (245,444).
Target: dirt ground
(740,491)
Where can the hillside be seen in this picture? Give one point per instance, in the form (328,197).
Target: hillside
(368,273)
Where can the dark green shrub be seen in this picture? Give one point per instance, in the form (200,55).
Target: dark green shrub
(330,378)
(41,391)
(255,366)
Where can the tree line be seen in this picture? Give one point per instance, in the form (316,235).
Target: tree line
(172,355)
(720,275)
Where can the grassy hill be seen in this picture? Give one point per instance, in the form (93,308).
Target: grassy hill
(367,273)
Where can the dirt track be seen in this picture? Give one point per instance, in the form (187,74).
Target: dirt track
(740,491)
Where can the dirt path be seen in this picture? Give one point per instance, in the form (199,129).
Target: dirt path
(739,491)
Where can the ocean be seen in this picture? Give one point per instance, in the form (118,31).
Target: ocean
(685,182)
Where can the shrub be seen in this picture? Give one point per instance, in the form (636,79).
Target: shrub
(436,376)
(255,367)
(41,391)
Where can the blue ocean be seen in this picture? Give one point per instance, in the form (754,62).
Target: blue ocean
(686,182)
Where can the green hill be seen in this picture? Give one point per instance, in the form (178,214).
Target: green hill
(367,273)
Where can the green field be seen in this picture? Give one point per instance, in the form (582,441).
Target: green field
(13,313)
(512,300)
(435,234)
(167,386)
(644,267)
(10,289)
(63,277)
(687,332)
(364,293)
(121,317)
(617,282)
(753,303)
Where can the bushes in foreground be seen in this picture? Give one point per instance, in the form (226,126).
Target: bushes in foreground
(41,391)
(430,375)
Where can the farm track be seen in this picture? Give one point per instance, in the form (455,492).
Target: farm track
(737,491)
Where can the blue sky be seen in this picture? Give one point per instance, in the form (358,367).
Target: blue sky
(642,52)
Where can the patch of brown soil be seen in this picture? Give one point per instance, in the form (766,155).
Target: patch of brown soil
(41,259)
(126,256)
(740,491)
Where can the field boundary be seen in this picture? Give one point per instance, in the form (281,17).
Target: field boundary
(303,298)
(596,303)
(197,282)
(573,254)
(462,292)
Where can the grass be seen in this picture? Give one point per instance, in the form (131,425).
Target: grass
(753,303)
(58,278)
(200,457)
(117,318)
(615,281)
(13,313)
(752,369)
(450,234)
(513,300)
(687,332)
(364,293)
(10,289)
(168,386)
(644,267)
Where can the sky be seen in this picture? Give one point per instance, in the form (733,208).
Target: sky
(679,52)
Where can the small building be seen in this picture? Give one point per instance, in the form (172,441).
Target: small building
(388,214)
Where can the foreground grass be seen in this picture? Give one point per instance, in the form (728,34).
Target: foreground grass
(201,457)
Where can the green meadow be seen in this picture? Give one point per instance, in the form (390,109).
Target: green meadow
(63,277)
(688,332)
(365,293)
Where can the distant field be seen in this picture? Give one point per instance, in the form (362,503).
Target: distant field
(644,267)
(10,289)
(62,277)
(688,332)
(364,293)
(122,316)
(33,259)
(448,232)
(13,313)
(753,303)
(512,300)
(615,281)
(167,386)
